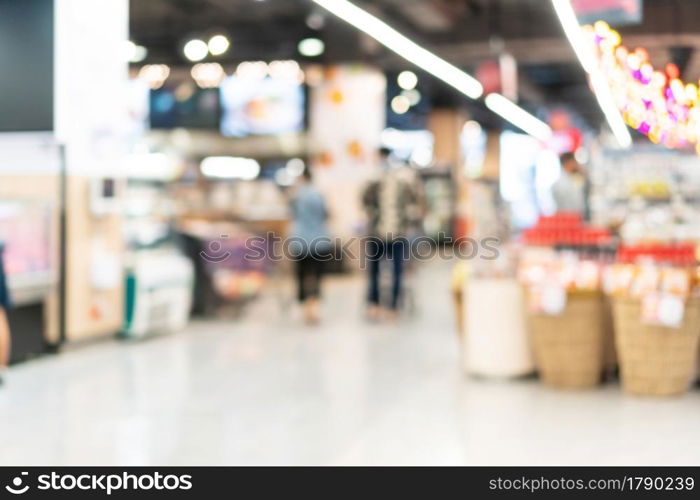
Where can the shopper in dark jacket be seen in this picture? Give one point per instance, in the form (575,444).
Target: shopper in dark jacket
(387,202)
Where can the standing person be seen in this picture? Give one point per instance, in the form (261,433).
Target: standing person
(570,192)
(311,243)
(4,326)
(388,203)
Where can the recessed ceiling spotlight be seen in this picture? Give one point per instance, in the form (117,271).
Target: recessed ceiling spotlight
(311,47)
(218,45)
(195,50)
(407,80)
(471,128)
(252,69)
(316,21)
(400,104)
(134,53)
(413,96)
(154,74)
(208,75)
(295,167)
(289,70)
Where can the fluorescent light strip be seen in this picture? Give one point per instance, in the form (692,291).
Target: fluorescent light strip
(404,47)
(572,30)
(516,115)
(230,167)
(436,66)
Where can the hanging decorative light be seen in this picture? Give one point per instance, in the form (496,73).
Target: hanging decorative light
(657,103)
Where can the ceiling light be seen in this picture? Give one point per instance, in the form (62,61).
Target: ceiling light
(316,21)
(407,80)
(295,167)
(403,46)
(134,53)
(230,167)
(288,70)
(252,69)
(208,75)
(572,30)
(471,128)
(413,96)
(516,115)
(400,104)
(145,165)
(195,50)
(311,47)
(184,91)
(154,74)
(283,177)
(422,156)
(218,45)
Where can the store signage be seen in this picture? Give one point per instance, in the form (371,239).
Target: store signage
(617,12)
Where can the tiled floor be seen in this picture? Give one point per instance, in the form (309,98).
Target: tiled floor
(267,390)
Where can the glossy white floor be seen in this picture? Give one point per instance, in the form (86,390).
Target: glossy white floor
(267,390)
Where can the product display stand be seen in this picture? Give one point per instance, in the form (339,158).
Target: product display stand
(496,343)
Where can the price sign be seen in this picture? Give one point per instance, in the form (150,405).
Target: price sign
(549,299)
(663,309)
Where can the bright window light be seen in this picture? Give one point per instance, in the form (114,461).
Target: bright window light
(572,30)
(230,167)
(403,46)
(195,50)
(516,115)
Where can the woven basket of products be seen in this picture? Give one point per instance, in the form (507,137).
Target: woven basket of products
(657,330)
(656,360)
(566,317)
(569,347)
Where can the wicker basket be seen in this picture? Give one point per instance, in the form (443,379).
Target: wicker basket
(569,348)
(609,350)
(655,360)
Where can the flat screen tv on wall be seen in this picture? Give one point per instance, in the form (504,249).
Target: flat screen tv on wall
(26,59)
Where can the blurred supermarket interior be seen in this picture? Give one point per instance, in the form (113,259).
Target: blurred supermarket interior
(507,192)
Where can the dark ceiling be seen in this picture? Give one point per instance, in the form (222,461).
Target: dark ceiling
(462,31)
